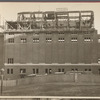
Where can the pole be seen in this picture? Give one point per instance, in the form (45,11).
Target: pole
(1,84)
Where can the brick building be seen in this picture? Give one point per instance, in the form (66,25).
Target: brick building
(48,42)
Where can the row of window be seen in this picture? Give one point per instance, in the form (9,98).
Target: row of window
(47,71)
(36,40)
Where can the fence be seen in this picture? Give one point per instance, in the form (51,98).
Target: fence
(67,78)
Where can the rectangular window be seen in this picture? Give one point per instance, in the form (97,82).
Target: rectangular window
(61,40)
(62,70)
(11,40)
(8,72)
(37,71)
(23,40)
(59,70)
(35,40)
(48,39)
(89,69)
(98,61)
(33,71)
(11,33)
(10,60)
(74,39)
(22,70)
(11,71)
(87,39)
(46,71)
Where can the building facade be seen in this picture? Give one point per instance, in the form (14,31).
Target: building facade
(49,42)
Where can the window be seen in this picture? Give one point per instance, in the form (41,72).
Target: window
(88,39)
(10,60)
(50,71)
(11,33)
(76,69)
(35,71)
(60,70)
(74,32)
(72,69)
(8,71)
(99,61)
(49,33)
(74,39)
(22,71)
(35,40)
(23,40)
(89,69)
(11,40)
(46,71)
(48,39)
(11,71)
(61,40)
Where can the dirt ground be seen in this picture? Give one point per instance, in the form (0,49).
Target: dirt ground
(53,89)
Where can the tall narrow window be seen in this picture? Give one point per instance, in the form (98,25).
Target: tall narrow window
(37,71)
(62,70)
(8,71)
(11,71)
(33,71)
(46,71)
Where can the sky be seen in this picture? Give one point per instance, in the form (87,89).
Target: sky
(9,10)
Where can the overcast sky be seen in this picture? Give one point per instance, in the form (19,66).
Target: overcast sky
(9,10)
